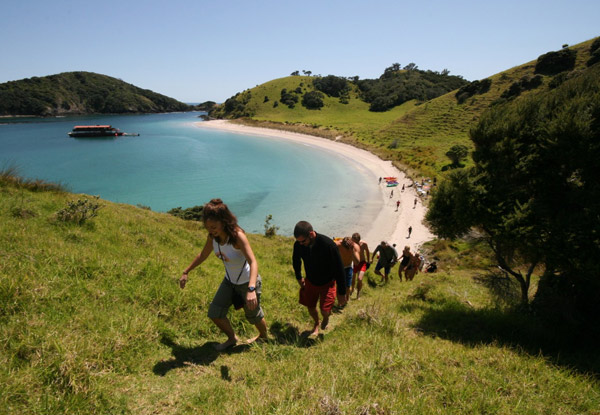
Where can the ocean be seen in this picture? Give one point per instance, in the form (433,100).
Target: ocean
(173,163)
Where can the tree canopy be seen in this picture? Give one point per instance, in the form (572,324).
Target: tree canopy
(397,86)
(81,93)
(534,192)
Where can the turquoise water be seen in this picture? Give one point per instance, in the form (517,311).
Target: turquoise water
(174,163)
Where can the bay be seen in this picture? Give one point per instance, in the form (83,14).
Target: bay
(173,163)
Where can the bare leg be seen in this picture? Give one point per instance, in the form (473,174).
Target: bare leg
(359,285)
(225,326)
(315,316)
(325,321)
(261,326)
(380,274)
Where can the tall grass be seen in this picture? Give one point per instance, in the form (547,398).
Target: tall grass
(92,321)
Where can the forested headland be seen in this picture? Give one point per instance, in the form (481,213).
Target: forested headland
(77,93)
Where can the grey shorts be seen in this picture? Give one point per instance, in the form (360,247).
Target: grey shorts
(222,301)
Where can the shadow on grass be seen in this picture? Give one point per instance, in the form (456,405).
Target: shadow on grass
(199,355)
(288,334)
(520,331)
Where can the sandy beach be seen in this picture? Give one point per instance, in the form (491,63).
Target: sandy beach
(388,225)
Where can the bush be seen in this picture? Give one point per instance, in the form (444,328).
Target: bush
(331,85)
(313,100)
(552,63)
(270,230)
(193,213)
(80,211)
(288,98)
(475,87)
(524,84)
(594,52)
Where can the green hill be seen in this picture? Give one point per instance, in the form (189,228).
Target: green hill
(416,134)
(80,93)
(92,321)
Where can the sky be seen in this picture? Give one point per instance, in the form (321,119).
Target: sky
(197,50)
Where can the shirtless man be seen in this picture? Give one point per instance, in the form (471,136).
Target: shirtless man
(350,253)
(360,267)
(413,267)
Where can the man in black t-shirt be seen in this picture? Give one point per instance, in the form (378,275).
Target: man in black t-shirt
(323,269)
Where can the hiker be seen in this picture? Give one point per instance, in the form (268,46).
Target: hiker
(409,232)
(397,205)
(387,259)
(350,253)
(242,283)
(323,271)
(404,260)
(413,267)
(362,265)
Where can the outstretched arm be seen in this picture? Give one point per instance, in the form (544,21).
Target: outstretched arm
(197,261)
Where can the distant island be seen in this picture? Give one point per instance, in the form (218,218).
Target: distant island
(78,93)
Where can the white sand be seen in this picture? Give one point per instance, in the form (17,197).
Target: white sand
(388,225)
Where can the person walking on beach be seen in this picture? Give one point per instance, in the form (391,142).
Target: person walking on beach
(350,253)
(409,232)
(387,259)
(323,270)
(242,283)
(362,265)
(403,187)
(397,205)
(415,204)
(392,194)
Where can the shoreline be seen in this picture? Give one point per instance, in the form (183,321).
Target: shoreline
(389,225)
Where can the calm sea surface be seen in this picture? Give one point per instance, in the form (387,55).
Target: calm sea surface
(174,163)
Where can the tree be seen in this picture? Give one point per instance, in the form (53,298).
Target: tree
(295,73)
(312,100)
(534,193)
(457,153)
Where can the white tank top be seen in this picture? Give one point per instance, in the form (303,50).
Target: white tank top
(235,263)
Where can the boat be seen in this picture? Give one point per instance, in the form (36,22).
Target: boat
(83,131)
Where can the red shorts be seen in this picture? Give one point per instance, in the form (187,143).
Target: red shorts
(361,266)
(310,294)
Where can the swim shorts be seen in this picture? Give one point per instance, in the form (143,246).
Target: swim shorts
(361,266)
(311,294)
(348,272)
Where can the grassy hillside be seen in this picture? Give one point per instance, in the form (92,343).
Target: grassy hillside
(80,93)
(92,321)
(415,135)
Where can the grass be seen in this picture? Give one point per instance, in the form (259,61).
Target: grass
(92,321)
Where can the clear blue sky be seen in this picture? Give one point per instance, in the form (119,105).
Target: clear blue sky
(196,50)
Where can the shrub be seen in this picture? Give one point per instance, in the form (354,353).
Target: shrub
(193,213)
(313,100)
(552,63)
(288,98)
(594,52)
(270,230)
(80,211)
(475,87)
(524,84)
(331,85)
